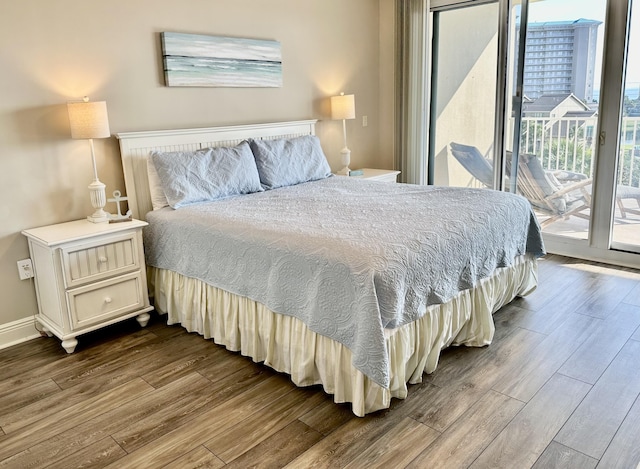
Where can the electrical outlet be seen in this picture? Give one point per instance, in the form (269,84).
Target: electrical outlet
(365,121)
(25,269)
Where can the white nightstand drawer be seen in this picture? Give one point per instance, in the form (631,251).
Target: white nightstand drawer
(111,298)
(87,262)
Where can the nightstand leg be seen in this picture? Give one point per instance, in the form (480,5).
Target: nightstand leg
(69,345)
(143,319)
(47,331)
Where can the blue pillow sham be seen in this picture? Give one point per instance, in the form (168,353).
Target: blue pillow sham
(189,177)
(289,161)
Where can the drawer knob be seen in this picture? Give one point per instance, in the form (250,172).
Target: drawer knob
(102,259)
(107,300)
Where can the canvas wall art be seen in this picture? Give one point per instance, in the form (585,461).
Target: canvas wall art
(200,60)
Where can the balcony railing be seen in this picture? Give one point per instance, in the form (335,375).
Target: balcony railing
(568,143)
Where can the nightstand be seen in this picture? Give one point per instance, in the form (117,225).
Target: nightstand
(87,276)
(386,175)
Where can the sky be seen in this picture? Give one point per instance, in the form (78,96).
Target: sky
(557,10)
(560,10)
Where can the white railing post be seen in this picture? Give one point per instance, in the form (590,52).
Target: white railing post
(633,151)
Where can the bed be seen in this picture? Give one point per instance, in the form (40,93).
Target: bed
(350,284)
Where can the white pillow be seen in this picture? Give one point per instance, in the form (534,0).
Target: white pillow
(158,199)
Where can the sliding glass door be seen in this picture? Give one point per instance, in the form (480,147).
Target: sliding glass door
(542,98)
(463,96)
(626,226)
(553,124)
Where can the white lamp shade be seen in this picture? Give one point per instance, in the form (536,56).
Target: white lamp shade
(89,120)
(343,107)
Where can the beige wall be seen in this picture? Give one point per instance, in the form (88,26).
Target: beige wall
(54,51)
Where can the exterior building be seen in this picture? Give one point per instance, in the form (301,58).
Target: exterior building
(561,58)
(556,106)
(559,113)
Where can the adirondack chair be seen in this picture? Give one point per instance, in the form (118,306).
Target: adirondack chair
(474,162)
(627,193)
(548,195)
(559,194)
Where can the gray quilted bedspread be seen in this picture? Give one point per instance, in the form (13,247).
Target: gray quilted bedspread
(347,257)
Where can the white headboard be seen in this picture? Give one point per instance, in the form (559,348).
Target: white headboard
(135,147)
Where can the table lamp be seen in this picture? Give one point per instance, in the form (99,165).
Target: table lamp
(89,120)
(344,107)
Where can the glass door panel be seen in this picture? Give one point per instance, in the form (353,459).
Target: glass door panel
(463,96)
(555,143)
(626,225)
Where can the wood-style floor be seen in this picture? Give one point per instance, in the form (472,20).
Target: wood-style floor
(558,387)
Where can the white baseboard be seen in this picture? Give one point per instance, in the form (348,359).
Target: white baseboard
(16,332)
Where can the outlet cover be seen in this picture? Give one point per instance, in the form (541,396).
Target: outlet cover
(25,269)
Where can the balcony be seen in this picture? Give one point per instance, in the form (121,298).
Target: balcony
(568,144)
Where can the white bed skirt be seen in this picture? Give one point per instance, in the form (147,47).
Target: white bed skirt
(285,344)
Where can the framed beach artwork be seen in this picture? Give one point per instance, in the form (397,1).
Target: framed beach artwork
(201,60)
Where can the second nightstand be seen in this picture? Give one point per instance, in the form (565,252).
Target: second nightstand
(87,276)
(386,175)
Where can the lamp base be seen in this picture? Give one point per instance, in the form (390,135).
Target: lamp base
(98,201)
(98,218)
(345,159)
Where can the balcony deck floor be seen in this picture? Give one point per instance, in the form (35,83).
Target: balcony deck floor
(625,230)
